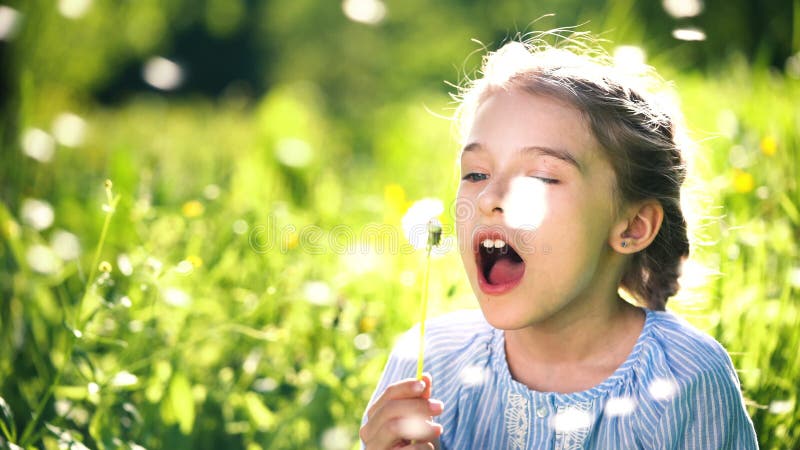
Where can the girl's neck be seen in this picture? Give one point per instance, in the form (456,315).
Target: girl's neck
(575,353)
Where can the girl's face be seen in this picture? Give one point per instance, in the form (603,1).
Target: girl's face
(535,211)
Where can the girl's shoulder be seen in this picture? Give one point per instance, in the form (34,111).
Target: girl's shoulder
(682,352)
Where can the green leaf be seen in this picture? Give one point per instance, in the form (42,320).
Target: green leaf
(260,415)
(7,421)
(182,402)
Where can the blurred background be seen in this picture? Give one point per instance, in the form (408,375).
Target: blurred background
(239,281)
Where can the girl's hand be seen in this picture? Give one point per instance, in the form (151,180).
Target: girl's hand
(401,418)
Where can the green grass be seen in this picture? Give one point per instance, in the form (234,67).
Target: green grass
(244,327)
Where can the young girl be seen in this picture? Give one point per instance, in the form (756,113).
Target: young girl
(570,190)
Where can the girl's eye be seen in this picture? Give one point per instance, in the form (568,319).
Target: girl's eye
(547,180)
(474,177)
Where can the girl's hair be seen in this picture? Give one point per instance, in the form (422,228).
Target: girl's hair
(639,133)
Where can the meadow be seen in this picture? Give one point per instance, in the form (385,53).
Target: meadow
(222,273)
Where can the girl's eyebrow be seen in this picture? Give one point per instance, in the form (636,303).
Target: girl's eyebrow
(561,154)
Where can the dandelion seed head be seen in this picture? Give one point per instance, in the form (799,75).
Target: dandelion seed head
(472,376)
(416,219)
(571,419)
(663,389)
(619,406)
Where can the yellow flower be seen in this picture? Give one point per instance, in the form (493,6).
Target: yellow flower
(195,260)
(192,208)
(105,266)
(394,199)
(291,240)
(743,182)
(769,146)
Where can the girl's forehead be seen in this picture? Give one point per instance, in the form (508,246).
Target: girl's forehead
(531,124)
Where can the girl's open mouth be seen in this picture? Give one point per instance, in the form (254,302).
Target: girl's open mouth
(500,267)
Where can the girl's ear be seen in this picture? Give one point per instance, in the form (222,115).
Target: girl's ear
(637,227)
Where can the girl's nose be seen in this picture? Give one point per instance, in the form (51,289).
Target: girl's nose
(490,200)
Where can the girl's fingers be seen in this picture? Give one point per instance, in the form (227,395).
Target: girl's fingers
(388,419)
(399,431)
(408,388)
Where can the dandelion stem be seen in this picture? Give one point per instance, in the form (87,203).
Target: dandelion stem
(423,312)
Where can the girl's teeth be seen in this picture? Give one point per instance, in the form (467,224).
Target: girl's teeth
(494,243)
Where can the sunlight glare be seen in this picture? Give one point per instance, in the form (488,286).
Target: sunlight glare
(525,205)
(370,12)
(630,58)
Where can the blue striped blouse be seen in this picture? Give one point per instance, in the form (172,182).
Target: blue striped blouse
(677,390)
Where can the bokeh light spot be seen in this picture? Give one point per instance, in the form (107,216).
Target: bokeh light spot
(73,9)
(370,12)
(65,245)
(37,213)
(683,8)
(163,74)
(177,297)
(317,293)
(294,152)
(38,144)
(689,34)
(337,438)
(43,259)
(69,129)
(9,22)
